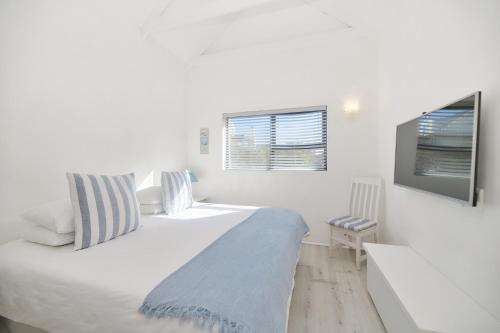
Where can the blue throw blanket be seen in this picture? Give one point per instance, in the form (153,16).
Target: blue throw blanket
(239,283)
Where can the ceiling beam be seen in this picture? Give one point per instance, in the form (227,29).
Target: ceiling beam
(225,12)
(313,4)
(316,41)
(281,39)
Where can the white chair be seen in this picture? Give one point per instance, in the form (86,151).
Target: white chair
(362,221)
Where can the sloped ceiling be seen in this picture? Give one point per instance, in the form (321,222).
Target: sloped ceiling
(193,29)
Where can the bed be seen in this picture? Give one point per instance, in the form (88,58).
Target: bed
(56,289)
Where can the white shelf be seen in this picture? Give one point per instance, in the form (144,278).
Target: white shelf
(412,296)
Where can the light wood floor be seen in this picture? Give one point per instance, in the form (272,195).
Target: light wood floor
(330,294)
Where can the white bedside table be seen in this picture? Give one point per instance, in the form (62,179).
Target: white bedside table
(200,198)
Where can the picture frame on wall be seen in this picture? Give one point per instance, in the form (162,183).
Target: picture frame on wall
(204,140)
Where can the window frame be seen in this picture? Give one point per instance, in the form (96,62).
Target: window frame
(273,147)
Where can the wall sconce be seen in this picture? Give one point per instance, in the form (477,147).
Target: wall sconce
(351,106)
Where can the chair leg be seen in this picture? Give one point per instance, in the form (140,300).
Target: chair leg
(375,236)
(358,252)
(333,243)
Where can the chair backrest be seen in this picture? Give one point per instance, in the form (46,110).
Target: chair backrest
(365,197)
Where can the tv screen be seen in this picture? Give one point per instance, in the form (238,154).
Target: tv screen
(437,152)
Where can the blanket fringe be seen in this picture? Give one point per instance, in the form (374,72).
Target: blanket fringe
(201,316)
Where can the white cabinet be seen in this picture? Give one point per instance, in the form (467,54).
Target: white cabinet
(413,296)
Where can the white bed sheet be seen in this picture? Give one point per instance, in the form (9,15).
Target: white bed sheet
(100,289)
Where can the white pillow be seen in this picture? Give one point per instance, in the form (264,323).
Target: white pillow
(152,209)
(150,195)
(36,234)
(56,216)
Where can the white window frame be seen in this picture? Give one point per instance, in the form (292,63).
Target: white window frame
(274,112)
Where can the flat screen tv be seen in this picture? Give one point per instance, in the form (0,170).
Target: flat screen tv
(437,152)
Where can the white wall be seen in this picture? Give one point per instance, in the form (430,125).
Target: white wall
(431,53)
(313,76)
(80,90)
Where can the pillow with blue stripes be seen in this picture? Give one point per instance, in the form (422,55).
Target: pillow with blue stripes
(177,191)
(104,207)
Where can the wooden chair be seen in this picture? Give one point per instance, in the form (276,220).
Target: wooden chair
(350,230)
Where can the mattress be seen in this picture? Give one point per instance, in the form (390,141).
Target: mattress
(100,289)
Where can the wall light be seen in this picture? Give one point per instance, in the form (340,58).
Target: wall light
(351,106)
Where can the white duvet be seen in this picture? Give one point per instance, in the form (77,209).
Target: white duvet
(100,289)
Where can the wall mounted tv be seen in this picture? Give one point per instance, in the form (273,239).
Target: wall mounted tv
(437,152)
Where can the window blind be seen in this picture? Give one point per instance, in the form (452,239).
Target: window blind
(445,143)
(292,139)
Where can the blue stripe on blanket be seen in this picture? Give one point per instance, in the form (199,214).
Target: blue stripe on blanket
(239,283)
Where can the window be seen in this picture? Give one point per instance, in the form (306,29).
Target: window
(291,139)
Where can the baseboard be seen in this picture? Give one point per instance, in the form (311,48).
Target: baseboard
(314,243)
(10,326)
(3,327)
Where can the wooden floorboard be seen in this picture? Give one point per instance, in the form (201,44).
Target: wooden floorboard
(330,294)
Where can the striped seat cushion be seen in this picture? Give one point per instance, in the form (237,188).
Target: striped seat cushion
(177,192)
(104,207)
(352,223)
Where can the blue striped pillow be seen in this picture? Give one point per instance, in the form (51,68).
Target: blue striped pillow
(104,207)
(177,192)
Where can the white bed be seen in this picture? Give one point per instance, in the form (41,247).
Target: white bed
(100,289)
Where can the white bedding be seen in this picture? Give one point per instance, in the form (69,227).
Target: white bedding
(100,289)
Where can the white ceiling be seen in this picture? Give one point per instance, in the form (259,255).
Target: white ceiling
(194,29)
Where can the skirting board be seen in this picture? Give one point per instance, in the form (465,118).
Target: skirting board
(9,326)
(314,243)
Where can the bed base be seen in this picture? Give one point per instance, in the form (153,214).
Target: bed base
(10,326)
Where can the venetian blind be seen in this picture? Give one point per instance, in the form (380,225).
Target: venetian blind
(292,139)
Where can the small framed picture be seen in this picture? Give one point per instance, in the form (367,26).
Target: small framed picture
(204,140)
